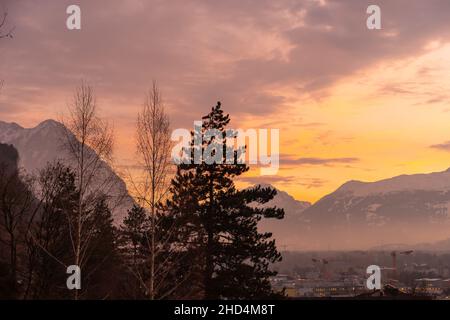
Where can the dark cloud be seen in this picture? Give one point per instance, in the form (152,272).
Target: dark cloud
(317,161)
(268,179)
(307,183)
(438,99)
(442,146)
(310,183)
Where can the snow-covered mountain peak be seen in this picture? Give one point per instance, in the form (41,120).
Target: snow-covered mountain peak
(415,182)
(49,123)
(44,143)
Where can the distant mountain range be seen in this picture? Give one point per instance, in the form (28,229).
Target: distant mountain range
(44,143)
(442,245)
(286,231)
(404,209)
(407,209)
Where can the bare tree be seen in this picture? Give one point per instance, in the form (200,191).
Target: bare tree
(8,33)
(153,149)
(4,34)
(89,142)
(45,238)
(16,203)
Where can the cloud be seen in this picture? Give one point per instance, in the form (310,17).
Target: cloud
(269,179)
(317,161)
(442,146)
(308,183)
(240,52)
(438,98)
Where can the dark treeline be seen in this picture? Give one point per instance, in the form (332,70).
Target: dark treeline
(35,246)
(200,241)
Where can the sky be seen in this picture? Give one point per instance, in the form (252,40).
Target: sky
(350,103)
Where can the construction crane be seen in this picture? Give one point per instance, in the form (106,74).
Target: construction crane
(324,270)
(394,261)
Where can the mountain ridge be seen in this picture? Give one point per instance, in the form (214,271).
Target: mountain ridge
(403,209)
(43,143)
(407,209)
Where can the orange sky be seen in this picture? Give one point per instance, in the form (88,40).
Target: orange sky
(350,103)
(390,132)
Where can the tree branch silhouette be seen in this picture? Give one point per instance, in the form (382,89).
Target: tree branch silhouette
(9,32)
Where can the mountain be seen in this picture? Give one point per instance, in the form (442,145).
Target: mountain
(44,143)
(285,231)
(292,207)
(36,145)
(8,157)
(405,209)
(442,246)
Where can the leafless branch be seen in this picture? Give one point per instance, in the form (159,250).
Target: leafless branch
(89,141)
(9,32)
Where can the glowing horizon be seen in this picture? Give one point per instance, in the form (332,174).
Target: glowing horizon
(351,104)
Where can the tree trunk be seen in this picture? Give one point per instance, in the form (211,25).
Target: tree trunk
(209,268)
(13,259)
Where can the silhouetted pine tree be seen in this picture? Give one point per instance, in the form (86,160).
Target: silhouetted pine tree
(171,265)
(16,204)
(135,226)
(134,243)
(217,224)
(47,241)
(9,182)
(102,256)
